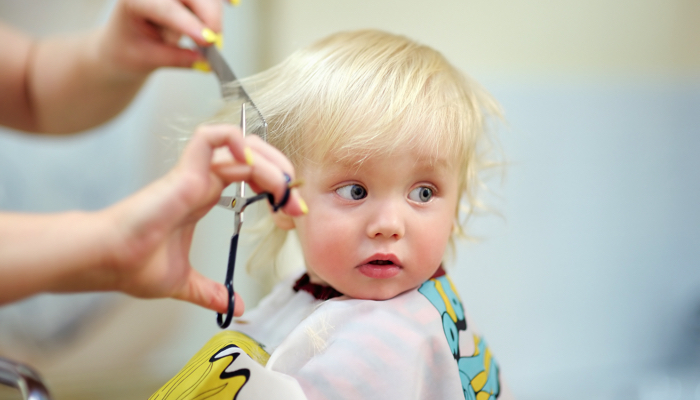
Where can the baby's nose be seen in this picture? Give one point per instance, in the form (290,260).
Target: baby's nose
(386,222)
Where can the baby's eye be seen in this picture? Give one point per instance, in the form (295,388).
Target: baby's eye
(352,192)
(421,194)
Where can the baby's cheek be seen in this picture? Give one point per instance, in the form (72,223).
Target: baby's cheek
(431,246)
(326,244)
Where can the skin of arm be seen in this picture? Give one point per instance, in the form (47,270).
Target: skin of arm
(141,245)
(66,84)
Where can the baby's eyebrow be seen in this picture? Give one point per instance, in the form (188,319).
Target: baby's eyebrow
(343,167)
(426,162)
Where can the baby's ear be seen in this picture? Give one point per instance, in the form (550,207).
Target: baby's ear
(283,221)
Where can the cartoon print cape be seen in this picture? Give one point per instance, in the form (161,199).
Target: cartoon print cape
(418,345)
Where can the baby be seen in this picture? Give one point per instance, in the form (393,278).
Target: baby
(389,139)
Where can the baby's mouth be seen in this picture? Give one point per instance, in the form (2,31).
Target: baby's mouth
(380,266)
(381,262)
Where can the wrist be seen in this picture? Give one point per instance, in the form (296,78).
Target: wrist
(71,253)
(126,248)
(137,227)
(108,242)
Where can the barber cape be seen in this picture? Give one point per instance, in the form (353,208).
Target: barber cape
(418,345)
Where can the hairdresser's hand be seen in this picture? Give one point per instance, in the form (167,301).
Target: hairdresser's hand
(69,83)
(142,35)
(156,225)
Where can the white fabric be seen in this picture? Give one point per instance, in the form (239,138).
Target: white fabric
(361,349)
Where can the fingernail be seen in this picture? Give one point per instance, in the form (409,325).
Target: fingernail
(209,35)
(235,2)
(304,207)
(296,183)
(201,65)
(219,41)
(248,155)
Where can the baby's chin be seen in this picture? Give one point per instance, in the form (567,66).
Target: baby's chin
(380,289)
(375,292)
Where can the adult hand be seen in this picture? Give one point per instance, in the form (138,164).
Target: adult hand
(141,245)
(155,227)
(142,35)
(69,83)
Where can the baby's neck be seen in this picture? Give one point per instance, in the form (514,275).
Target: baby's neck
(319,291)
(313,278)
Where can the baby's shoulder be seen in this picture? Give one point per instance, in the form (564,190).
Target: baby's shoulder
(435,304)
(408,312)
(427,318)
(424,330)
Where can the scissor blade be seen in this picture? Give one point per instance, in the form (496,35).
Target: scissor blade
(226,76)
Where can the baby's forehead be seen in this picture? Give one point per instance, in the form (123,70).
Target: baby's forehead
(421,159)
(356,146)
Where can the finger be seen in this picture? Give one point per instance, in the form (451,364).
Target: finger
(209,12)
(271,153)
(204,292)
(229,173)
(170,37)
(262,176)
(172,14)
(199,152)
(237,144)
(236,173)
(171,56)
(295,205)
(239,306)
(266,176)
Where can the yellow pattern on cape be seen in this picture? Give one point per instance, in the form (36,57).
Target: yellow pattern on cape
(200,378)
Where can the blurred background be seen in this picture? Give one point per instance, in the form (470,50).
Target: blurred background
(586,283)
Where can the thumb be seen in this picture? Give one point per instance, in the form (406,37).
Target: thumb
(204,292)
(163,55)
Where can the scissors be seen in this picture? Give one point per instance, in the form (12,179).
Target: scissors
(231,91)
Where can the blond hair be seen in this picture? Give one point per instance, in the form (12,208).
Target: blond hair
(360,94)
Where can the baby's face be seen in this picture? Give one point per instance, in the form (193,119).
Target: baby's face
(377,230)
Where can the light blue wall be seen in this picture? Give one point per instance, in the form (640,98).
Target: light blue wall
(586,288)
(88,171)
(589,286)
